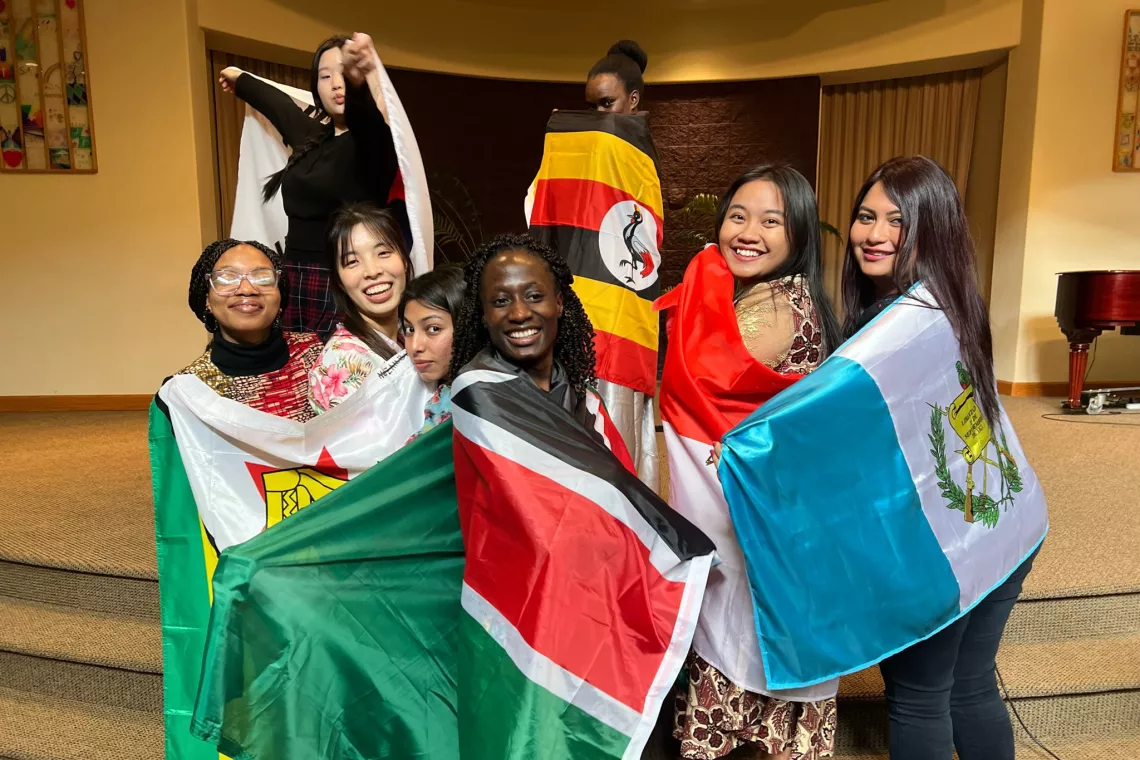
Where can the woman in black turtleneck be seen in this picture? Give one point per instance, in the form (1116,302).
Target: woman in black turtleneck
(236,289)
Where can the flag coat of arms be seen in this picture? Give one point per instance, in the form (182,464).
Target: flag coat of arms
(874,503)
(262,154)
(582,588)
(711,383)
(223,473)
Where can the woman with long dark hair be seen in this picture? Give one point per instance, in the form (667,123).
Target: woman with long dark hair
(907,227)
(750,318)
(429,312)
(370,267)
(342,154)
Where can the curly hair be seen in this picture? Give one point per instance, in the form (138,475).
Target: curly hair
(200,276)
(574,346)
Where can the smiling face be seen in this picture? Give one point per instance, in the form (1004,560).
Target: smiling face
(245,315)
(428,333)
(373,275)
(605,92)
(754,237)
(875,238)
(330,82)
(521,308)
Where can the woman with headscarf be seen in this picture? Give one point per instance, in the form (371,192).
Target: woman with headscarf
(236,290)
(342,153)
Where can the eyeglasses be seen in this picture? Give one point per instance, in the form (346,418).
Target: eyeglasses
(226,282)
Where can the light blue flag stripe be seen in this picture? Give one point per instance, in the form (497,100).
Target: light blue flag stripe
(895,588)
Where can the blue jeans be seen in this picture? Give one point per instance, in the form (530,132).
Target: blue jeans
(942,693)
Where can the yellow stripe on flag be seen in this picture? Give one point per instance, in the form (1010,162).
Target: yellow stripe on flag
(602,157)
(618,310)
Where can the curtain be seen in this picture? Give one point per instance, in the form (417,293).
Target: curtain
(229,114)
(862,125)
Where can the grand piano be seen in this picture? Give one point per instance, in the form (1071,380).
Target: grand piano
(1089,303)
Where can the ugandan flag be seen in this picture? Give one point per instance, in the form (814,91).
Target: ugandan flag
(582,588)
(597,201)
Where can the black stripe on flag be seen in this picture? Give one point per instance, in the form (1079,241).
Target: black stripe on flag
(520,408)
(632,128)
(581,249)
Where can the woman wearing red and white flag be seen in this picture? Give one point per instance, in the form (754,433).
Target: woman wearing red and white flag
(749,319)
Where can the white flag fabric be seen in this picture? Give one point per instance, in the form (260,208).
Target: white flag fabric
(249,470)
(262,154)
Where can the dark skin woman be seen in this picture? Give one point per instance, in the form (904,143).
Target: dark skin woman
(615,83)
(519,300)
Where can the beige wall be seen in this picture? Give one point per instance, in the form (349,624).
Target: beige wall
(95,267)
(687,40)
(1061,208)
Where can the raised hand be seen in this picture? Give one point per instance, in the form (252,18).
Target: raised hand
(359,57)
(228,77)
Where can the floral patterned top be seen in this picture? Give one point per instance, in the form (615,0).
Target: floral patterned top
(780,325)
(342,367)
(437,411)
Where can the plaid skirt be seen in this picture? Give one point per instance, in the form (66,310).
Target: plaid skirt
(311,308)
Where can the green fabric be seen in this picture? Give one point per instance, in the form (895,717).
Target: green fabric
(505,716)
(333,634)
(183,590)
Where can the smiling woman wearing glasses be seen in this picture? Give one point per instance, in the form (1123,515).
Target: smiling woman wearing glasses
(236,290)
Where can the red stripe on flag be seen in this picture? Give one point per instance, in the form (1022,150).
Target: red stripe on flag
(576,583)
(580,203)
(613,436)
(710,382)
(625,362)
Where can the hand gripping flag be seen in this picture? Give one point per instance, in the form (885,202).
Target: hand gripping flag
(597,201)
(710,383)
(582,587)
(873,502)
(262,154)
(223,473)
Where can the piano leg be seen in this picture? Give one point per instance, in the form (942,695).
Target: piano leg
(1078,361)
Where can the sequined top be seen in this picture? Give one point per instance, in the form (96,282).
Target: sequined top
(283,392)
(780,325)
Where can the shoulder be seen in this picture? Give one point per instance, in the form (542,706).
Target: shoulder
(304,347)
(205,370)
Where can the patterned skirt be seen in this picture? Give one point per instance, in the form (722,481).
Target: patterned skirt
(311,308)
(714,716)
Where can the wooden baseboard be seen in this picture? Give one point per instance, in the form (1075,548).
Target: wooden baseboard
(120,403)
(1060,390)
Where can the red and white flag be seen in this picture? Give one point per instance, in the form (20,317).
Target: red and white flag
(710,383)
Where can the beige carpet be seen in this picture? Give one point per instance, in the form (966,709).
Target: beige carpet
(77,492)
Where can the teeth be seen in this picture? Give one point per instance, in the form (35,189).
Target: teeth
(376,290)
(747,253)
(523,333)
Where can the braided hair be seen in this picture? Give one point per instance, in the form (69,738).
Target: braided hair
(273,184)
(625,60)
(574,346)
(200,276)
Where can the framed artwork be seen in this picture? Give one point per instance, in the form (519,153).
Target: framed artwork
(1126,150)
(46,121)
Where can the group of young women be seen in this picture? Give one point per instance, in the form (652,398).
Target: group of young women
(514,297)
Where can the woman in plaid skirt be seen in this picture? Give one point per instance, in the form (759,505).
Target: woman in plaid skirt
(342,154)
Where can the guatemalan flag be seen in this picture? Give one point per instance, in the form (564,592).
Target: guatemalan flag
(873,503)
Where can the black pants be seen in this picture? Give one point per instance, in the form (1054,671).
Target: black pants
(942,693)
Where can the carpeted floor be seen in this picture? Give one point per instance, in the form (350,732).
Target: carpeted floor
(88,475)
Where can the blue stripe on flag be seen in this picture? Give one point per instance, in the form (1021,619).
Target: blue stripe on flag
(819,570)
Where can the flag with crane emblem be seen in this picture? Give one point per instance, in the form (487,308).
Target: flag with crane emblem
(597,201)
